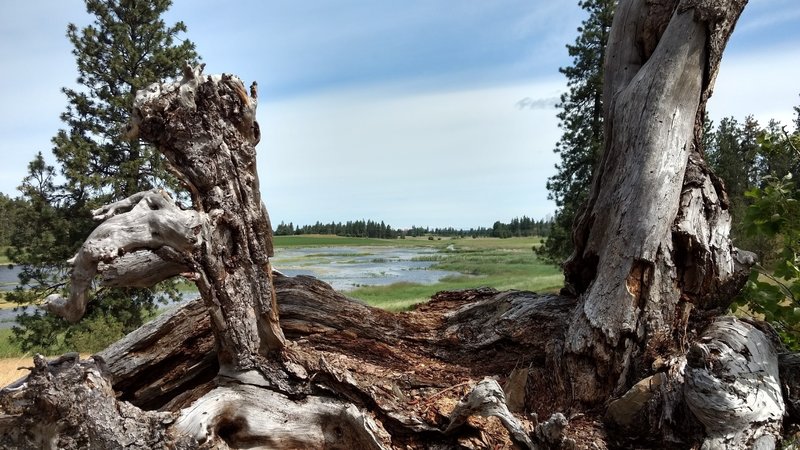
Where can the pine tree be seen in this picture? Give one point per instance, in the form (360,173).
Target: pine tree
(796,119)
(10,209)
(127,47)
(733,153)
(581,118)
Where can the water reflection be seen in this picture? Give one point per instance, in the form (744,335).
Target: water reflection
(346,268)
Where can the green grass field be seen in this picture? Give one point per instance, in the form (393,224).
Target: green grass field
(7,349)
(12,360)
(499,263)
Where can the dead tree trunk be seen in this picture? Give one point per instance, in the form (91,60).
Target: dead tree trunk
(653,262)
(206,128)
(636,356)
(652,246)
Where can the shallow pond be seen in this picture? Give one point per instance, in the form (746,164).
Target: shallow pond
(344,268)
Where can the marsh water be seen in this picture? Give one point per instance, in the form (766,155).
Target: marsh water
(9,276)
(344,268)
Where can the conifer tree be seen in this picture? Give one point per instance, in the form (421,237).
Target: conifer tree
(581,119)
(127,47)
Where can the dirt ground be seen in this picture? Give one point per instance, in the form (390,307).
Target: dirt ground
(12,369)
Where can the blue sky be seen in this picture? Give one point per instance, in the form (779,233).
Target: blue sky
(421,112)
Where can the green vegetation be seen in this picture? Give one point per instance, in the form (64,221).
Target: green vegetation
(92,335)
(126,47)
(315,240)
(757,165)
(773,290)
(7,348)
(498,263)
(10,210)
(518,227)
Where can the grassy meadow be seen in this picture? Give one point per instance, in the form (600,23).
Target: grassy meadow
(498,263)
(11,359)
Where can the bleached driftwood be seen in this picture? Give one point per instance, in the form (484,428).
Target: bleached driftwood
(223,244)
(132,241)
(733,388)
(404,373)
(488,399)
(246,416)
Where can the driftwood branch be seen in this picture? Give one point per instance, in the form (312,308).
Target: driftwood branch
(404,372)
(733,387)
(132,230)
(487,399)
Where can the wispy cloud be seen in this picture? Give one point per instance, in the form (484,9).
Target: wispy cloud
(761,15)
(537,103)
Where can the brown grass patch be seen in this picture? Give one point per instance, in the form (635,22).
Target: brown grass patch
(10,368)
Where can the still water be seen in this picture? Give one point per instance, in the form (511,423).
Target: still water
(344,268)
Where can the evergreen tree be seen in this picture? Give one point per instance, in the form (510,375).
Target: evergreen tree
(797,119)
(10,209)
(733,153)
(581,119)
(127,47)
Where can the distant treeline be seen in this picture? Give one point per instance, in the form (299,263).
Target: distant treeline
(518,227)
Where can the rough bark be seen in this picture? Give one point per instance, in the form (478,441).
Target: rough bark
(205,126)
(653,261)
(653,256)
(404,373)
(147,223)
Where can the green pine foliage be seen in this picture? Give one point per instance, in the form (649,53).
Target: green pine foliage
(581,119)
(773,290)
(127,47)
(10,208)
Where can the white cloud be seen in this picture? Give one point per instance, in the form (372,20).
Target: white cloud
(762,83)
(456,158)
(416,138)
